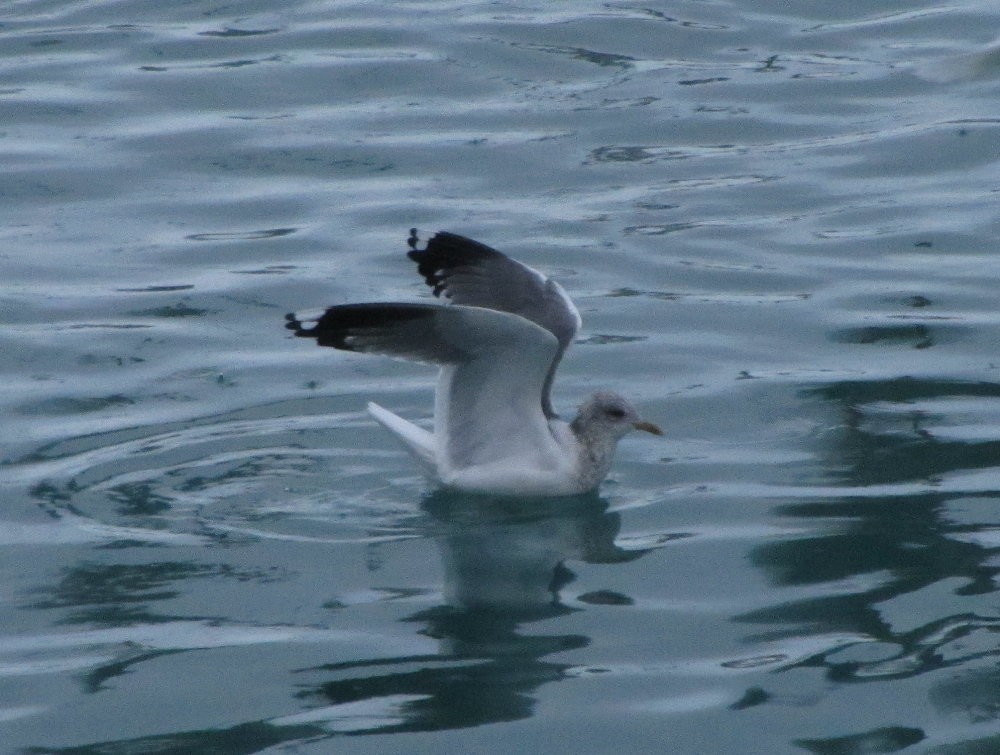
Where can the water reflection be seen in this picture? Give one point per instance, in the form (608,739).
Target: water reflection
(508,555)
(886,739)
(908,556)
(888,429)
(975,697)
(504,563)
(236,740)
(119,594)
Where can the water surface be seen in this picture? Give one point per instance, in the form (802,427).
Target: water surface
(779,225)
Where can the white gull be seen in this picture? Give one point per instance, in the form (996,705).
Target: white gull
(498,341)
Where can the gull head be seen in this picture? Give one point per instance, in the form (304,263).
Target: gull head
(611,416)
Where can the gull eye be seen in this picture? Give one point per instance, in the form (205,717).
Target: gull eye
(615,412)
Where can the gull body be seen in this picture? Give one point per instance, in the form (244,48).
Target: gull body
(498,341)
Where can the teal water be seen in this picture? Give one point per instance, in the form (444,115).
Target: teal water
(779,224)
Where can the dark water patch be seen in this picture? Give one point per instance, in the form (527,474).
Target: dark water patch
(268,233)
(229,33)
(629,292)
(900,537)
(247,62)
(122,594)
(633,154)
(917,335)
(138,499)
(663,229)
(600,339)
(702,82)
(269,270)
(708,297)
(901,389)
(975,695)
(106,326)
(888,739)
(225,64)
(613,103)
(269,117)
(171,311)
(56,406)
(661,16)
(879,563)
(603,59)
(889,19)
(751,698)
(888,432)
(93,585)
(656,206)
(102,360)
(493,677)
(605,598)
(156,289)
(239,739)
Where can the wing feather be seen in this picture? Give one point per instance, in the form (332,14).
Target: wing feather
(467,272)
(494,367)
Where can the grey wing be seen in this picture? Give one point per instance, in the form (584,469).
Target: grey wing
(483,413)
(469,273)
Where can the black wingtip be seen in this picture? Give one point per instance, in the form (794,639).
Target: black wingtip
(352,327)
(444,251)
(412,242)
(295,325)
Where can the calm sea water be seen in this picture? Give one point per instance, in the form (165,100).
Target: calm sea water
(779,222)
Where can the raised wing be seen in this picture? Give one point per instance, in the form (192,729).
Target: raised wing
(482,415)
(469,273)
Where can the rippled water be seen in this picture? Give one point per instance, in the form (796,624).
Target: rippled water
(779,224)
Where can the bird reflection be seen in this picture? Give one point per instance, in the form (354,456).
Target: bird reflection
(508,555)
(504,569)
(504,566)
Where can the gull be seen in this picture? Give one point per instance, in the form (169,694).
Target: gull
(498,338)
